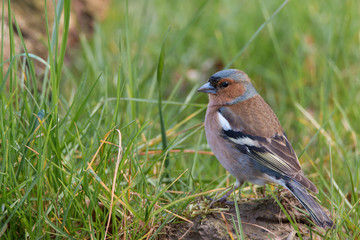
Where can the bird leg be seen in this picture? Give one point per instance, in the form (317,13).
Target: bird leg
(264,191)
(230,191)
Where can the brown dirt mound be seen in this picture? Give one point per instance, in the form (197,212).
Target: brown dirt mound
(261,219)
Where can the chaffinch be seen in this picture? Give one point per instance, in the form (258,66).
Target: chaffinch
(246,137)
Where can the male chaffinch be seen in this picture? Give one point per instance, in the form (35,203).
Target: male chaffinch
(246,137)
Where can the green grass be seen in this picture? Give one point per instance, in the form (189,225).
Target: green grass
(97,120)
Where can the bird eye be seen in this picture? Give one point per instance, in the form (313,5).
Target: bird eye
(224,84)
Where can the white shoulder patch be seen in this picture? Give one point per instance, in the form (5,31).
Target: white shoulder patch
(224,123)
(245,141)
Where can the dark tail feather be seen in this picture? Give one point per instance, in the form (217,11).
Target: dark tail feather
(309,203)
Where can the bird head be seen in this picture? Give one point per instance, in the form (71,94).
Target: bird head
(227,87)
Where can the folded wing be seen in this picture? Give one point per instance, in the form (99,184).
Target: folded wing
(273,151)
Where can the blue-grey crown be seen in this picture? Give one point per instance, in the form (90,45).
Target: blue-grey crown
(228,73)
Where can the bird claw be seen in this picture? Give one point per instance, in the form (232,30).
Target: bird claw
(220,200)
(227,194)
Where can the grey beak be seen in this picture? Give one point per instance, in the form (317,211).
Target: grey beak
(207,88)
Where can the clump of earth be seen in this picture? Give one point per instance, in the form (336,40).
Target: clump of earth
(260,218)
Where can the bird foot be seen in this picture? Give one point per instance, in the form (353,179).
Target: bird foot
(220,200)
(223,198)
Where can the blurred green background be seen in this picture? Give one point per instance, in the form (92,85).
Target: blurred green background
(302,57)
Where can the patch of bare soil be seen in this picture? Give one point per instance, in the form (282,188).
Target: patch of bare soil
(261,219)
(30,16)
